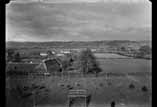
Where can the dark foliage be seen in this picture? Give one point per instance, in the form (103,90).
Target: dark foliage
(113,104)
(131,86)
(144,89)
(89,99)
(69,87)
(88,63)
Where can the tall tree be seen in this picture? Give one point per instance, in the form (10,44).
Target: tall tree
(88,63)
(10,54)
(17,57)
(144,50)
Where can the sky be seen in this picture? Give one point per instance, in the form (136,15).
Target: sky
(72,20)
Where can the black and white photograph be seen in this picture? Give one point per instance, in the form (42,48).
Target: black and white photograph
(78,53)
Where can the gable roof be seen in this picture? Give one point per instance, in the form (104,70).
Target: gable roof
(53,64)
(25,67)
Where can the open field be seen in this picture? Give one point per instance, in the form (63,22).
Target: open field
(103,89)
(125,65)
(109,55)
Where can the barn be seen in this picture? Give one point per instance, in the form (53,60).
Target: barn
(53,65)
(25,68)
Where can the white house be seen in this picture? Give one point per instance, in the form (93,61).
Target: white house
(66,52)
(53,52)
(43,54)
(60,54)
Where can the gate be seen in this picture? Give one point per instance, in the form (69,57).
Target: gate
(78,98)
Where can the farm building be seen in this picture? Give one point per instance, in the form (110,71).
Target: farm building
(43,54)
(25,68)
(53,52)
(60,54)
(65,51)
(46,66)
(93,50)
(53,65)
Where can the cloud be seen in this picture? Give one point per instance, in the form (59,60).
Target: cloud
(42,22)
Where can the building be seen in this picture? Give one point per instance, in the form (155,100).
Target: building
(60,54)
(65,52)
(43,54)
(93,50)
(25,68)
(53,52)
(50,65)
(53,65)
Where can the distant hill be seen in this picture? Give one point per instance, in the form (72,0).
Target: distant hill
(74,44)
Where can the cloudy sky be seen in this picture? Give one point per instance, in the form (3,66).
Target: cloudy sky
(70,20)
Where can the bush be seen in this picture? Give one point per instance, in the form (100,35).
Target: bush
(144,89)
(113,104)
(131,86)
(69,87)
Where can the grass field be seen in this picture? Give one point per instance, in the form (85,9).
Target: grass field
(109,55)
(103,89)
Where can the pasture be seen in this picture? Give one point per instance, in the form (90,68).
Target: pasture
(103,88)
(109,55)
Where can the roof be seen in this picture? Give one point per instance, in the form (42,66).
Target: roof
(53,59)
(41,68)
(25,67)
(43,54)
(60,54)
(53,64)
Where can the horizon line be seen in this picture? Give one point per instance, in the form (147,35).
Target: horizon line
(79,41)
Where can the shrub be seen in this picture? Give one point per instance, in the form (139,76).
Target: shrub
(69,87)
(144,89)
(131,86)
(113,104)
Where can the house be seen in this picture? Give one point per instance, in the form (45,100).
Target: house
(93,50)
(43,54)
(60,54)
(53,52)
(65,52)
(25,68)
(53,65)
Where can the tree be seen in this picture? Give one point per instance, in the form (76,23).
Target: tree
(17,57)
(10,53)
(50,54)
(68,61)
(65,64)
(123,48)
(88,63)
(144,50)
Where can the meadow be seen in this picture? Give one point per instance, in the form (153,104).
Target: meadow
(103,88)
